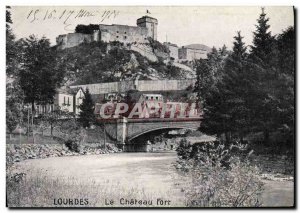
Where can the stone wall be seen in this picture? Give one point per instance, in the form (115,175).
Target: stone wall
(73,39)
(141,85)
(144,50)
(191,54)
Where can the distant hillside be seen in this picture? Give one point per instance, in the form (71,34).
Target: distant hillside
(198,46)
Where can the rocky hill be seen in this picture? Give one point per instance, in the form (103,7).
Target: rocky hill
(99,62)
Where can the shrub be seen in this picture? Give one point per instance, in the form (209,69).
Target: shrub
(220,177)
(184,149)
(72,145)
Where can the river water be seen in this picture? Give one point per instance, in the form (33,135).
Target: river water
(152,173)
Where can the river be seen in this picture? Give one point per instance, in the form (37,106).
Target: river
(153,173)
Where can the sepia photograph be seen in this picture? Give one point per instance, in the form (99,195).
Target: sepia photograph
(150,106)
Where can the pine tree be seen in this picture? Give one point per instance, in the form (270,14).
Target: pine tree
(11,46)
(264,57)
(204,80)
(286,85)
(86,115)
(235,87)
(262,42)
(225,108)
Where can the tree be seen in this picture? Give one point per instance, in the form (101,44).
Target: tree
(53,119)
(11,47)
(86,115)
(12,116)
(285,89)
(14,95)
(39,76)
(225,109)
(235,87)
(204,80)
(262,41)
(14,105)
(264,56)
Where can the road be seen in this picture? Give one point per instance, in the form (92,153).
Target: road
(143,174)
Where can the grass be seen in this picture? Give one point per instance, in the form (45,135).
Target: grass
(40,190)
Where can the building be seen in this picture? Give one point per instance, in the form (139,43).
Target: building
(67,100)
(148,98)
(146,28)
(193,52)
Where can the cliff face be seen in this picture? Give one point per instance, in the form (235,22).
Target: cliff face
(98,62)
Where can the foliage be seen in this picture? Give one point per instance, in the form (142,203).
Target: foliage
(72,145)
(94,63)
(184,149)
(38,74)
(72,133)
(86,114)
(221,178)
(13,50)
(245,93)
(14,105)
(86,29)
(157,46)
(53,119)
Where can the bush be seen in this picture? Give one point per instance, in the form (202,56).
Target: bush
(184,149)
(72,145)
(220,177)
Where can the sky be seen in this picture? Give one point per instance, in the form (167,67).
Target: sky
(212,26)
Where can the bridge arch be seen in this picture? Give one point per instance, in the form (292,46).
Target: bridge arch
(130,138)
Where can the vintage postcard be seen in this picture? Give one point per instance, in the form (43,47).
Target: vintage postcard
(150,106)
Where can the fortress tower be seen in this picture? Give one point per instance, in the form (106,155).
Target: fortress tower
(149,23)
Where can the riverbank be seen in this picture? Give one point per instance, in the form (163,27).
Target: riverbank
(141,176)
(20,152)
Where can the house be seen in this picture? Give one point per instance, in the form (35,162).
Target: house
(66,99)
(193,52)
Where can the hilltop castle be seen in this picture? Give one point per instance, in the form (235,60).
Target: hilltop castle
(137,36)
(146,28)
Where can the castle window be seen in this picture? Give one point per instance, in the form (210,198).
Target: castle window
(64,99)
(117,31)
(125,37)
(125,32)
(117,36)
(68,101)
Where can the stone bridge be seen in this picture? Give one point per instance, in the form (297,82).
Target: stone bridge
(124,130)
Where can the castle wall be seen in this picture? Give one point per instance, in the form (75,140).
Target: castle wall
(146,27)
(73,39)
(191,54)
(123,33)
(145,51)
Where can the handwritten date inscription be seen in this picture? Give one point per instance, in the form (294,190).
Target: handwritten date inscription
(66,16)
